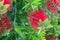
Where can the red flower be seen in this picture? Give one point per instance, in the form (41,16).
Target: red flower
(9,2)
(2,30)
(52,37)
(6,22)
(56,2)
(51,6)
(34,17)
(1,24)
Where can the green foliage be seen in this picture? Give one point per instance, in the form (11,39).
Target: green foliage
(21,30)
(31,5)
(42,34)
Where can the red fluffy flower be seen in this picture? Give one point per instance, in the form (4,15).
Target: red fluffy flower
(9,2)
(51,6)
(5,23)
(56,2)
(34,17)
(1,27)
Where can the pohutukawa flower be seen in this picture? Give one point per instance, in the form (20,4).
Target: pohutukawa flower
(52,7)
(5,23)
(35,16)
(56,2)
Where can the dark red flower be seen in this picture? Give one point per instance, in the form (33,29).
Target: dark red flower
(48,37)
(1,24)
(2,30)
(51,6)
(35,16)
(6,22)
(51,37)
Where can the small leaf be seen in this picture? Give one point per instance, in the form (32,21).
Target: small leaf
(46,22)
(19,32)
(1,4)
(4,9)
(40,22)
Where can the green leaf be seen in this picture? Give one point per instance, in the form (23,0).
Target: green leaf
(42,34)
(46,22)
(32,4)
(40,22)
(1,4)
(57,30)
(3,9)
(49,26)
(21,34)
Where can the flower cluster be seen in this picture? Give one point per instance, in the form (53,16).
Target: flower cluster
(5,23)
(40,15)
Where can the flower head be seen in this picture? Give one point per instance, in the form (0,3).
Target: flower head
(51,6)
(35,16)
